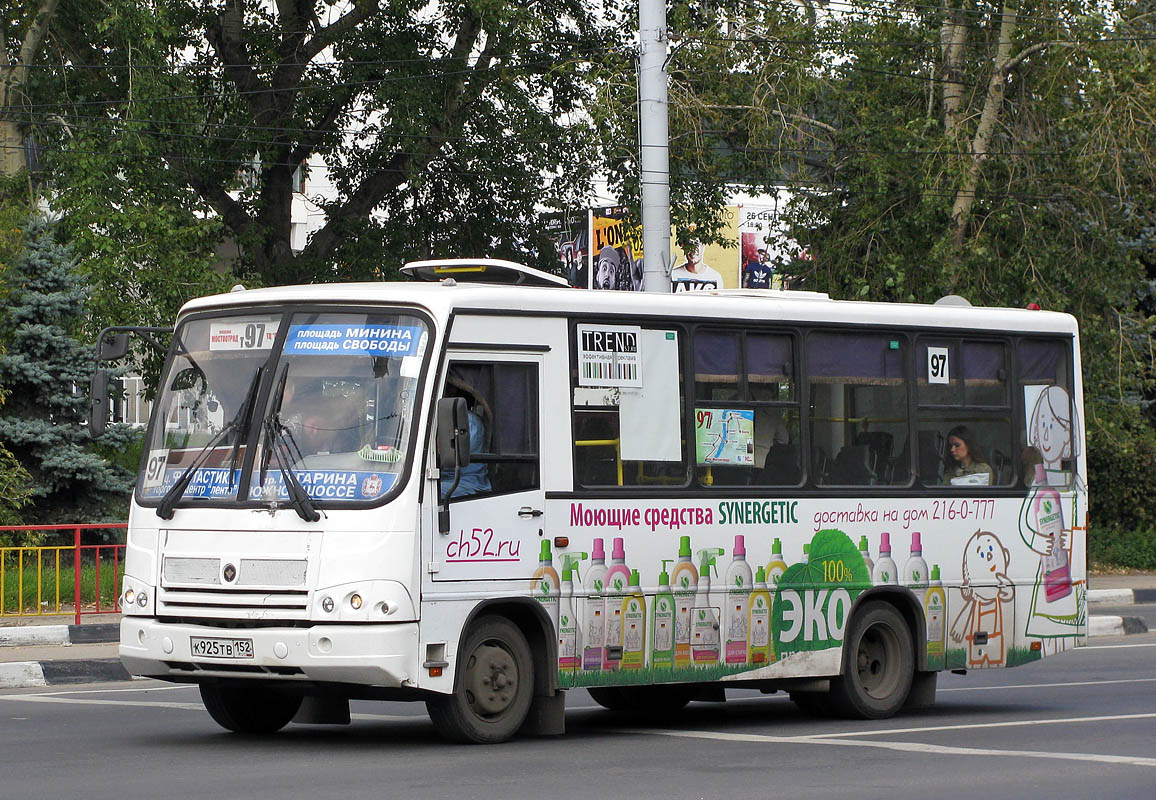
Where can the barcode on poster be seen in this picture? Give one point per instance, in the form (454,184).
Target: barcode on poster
(610,372)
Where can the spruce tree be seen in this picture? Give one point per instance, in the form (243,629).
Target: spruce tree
(45,370)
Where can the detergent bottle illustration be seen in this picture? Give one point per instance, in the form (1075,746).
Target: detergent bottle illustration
(617,581)
(1049,514)
(662,628)
(633,625)
(760,620)
(704,642)
(569,627)
(935,610)
(885,571)
(683,581)
(865,551)
(915,570)
(738,599)
(544,584)
(777,566)
(594,609)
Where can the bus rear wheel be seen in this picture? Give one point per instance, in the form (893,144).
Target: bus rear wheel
(495,686)
(255,709)
(878,664)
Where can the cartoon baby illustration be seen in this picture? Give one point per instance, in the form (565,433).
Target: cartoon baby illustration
(986,587)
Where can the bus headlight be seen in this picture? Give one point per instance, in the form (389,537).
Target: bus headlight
(327,605)
(135,597)
(355,602)
(364,601)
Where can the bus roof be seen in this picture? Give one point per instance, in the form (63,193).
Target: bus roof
(725,305)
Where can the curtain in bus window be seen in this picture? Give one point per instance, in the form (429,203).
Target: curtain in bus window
(854,358)
(716,366)
(985,377)
(769,368)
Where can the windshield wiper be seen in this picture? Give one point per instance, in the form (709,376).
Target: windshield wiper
(239,423)
(280,437)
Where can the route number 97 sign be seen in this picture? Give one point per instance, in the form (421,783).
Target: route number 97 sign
(257,333)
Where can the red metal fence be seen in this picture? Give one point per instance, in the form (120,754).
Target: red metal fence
(43,566)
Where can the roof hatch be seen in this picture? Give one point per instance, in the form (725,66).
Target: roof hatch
(481,270)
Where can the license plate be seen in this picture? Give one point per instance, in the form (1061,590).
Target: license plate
(221,648)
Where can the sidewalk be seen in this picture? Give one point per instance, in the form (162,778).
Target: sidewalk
(47,651)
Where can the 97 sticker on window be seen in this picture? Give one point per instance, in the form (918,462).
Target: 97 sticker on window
(255,333)
(155,469)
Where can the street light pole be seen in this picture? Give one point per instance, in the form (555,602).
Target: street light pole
(654,140)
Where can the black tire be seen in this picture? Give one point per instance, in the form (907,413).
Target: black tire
(878,664)
(495,686)
(255,709)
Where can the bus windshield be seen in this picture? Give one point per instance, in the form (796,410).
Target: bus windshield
(338,392)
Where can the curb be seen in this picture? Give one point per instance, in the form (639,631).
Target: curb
(1120,597)
(36,635)
(26,674)
(1108,625)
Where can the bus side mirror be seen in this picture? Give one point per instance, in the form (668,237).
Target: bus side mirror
(453,436)
(113,347)
(98,404)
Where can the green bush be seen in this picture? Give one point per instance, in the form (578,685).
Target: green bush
(1122,547)
(1122,477)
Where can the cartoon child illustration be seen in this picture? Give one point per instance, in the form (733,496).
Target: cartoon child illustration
(986,587)
(1056,610)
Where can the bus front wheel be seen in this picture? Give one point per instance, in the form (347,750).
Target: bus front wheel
(253,709)
(495,686)
(878,664)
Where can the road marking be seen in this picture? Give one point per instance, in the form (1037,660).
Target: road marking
(1111,647)
(914,747)
(111,691)
(972,725)
(1044,685)
(55,697)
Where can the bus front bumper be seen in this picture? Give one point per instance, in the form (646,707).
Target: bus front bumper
(366,655)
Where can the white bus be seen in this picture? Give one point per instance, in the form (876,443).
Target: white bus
(480,495)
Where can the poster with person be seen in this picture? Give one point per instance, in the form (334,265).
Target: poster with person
(616,254)
(570,232)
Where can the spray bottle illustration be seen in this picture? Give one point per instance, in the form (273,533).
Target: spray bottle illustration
(544,584)
(633,625)
(617,580)
(684,580)
(569,627)
(738,600)
(1049,515)
(915,570)
(865,551)
(662,628)
(885,571)
(594,609)
(935,609)
(760,620)
(704,643)
(777,566)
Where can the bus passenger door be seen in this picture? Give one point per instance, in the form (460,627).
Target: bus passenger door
(496,511)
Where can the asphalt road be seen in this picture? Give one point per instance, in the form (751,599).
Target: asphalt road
(1079,725)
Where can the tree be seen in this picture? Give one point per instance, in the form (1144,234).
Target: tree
(45,370)
(444,127)
(22,33)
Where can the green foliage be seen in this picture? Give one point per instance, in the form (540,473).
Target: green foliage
(45,370)
(1122,482)
(1129,548)
(444,130)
